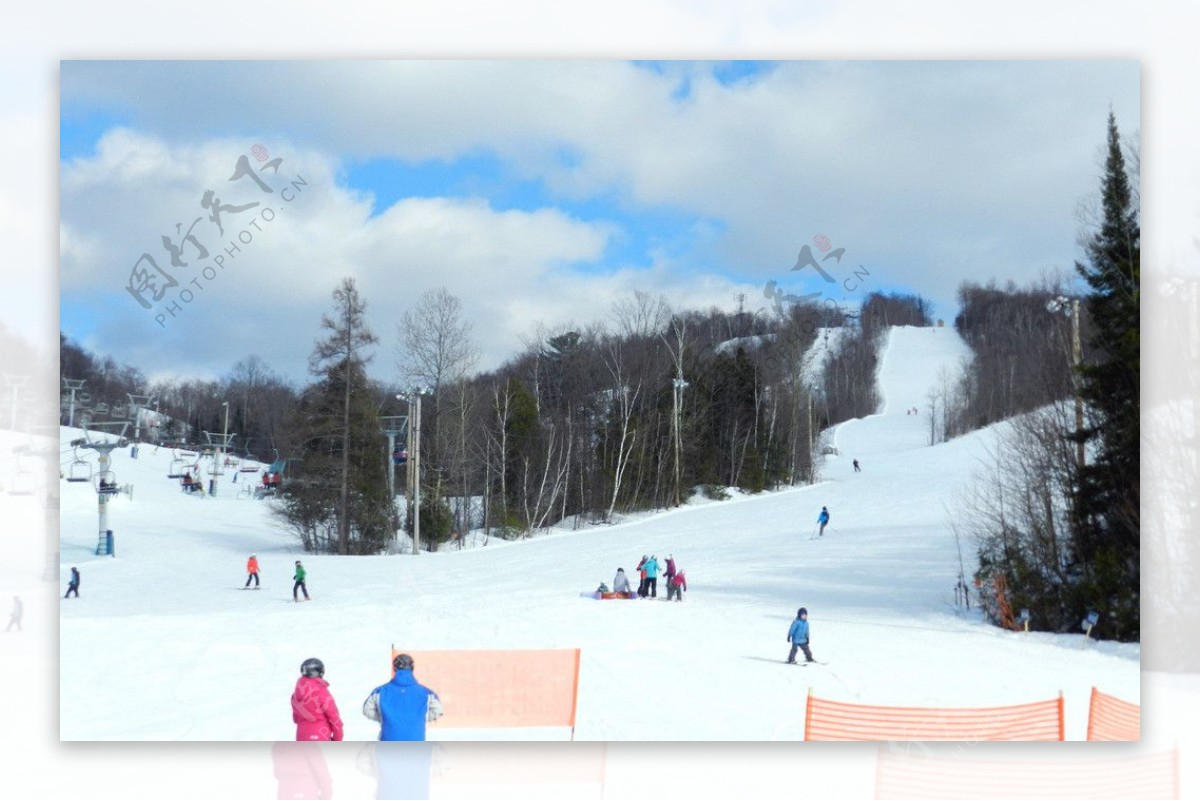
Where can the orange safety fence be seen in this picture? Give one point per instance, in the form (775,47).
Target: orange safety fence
(903,775)
(834,720)
(1110,718)
(501,689)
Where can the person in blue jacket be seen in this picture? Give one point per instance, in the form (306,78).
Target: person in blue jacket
(651,569)
(402,706)
(798,637)
(823,519)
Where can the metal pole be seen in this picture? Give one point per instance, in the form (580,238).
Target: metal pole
(391,463)
(102,460)
(415,458)
(1077,358)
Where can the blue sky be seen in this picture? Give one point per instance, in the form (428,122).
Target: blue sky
(542,192)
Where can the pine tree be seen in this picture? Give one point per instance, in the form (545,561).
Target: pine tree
(1107,534)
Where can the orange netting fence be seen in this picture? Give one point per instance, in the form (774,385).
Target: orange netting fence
(1060,776)
(834,720)
(1110,718)
(501,689)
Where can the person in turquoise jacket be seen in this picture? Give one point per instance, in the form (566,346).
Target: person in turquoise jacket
(798,637)
(651,568)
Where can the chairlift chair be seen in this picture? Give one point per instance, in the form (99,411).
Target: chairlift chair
(23,483)
(178,467)
(79,471)
(106,482)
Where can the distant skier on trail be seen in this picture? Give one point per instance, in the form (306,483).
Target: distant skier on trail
(73,583)
(641,569)
(17,613)
(313,709)
(252,570)
(823,520)
(798,637)
(299,585)
(856,468)
(402,706)
(670,574)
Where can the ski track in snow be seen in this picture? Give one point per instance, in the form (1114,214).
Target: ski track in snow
(157,648)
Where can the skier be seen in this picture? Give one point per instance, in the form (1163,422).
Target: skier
(313,709)
(402,706)
(299,585)
(73,583)
(670,574)
(856,470)
(677,585)
(252,570)
(17,612)
(652,576)
(641,568)
(620,582)
(798,637)
(823,520)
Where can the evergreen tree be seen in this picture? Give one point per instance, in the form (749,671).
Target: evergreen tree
(1107,534)
(342,483)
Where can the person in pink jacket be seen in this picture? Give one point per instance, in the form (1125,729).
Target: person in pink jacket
(313,709)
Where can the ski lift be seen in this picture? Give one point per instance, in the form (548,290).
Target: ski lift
(24,482)
(80,470)
(106,482)
(178,467)
(399,456)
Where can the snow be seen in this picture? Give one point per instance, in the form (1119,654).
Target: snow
(163,645)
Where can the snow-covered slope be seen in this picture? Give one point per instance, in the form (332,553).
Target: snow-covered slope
(162,643)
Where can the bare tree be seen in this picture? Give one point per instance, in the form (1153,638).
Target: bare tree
(436,336)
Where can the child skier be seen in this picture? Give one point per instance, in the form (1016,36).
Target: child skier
(823,520)
(798,637)
(677,586)
(299,579)
(73,583)
(313,709)
(252,570)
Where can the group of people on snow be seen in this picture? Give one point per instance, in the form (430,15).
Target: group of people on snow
(401,707)
(648,569)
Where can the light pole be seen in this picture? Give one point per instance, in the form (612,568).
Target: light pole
(414,461)
(224,441)
(1070,308)
(677,396)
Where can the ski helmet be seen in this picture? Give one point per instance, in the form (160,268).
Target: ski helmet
(313,668)
(802,612)
(402,662)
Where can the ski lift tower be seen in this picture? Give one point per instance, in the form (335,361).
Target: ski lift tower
(73,385)
(104,443)
(136,402)
(413,396)
(16,382)
(218,444)
(392,427)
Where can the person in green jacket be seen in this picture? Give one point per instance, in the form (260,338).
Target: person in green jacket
(299,585)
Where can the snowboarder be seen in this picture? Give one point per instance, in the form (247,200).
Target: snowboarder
(823,520)
(621,582)
(313,709)
(677,586)
(73,583)
(798,637)
(402,706)
(856,470)
(299,579)
(652,576)
(17,612)
(252,570)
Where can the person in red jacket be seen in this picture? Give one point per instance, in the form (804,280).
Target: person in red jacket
(313,709)
(252,569)
(677,586)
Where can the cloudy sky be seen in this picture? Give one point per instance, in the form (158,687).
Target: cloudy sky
(543,191)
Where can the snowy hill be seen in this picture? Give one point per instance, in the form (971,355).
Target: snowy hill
(163,645)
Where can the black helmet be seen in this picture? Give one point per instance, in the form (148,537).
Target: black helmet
(402,662)
(802,612)
(313,668)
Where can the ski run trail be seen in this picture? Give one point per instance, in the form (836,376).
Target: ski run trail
(162,645)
